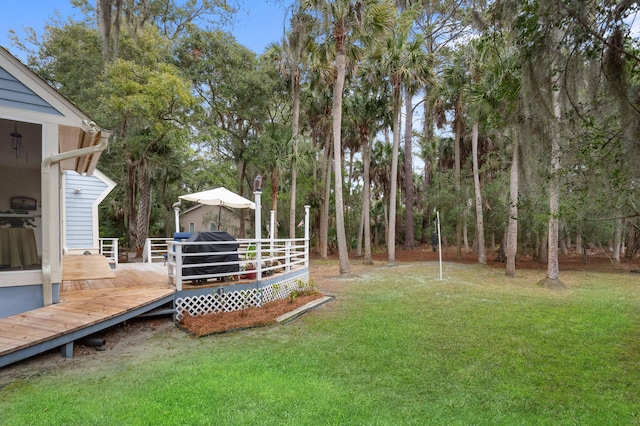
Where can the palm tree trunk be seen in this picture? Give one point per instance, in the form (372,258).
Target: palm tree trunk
(324,216)
(456,150)
(294,172)
(336,112)
(482,256)
(553,269)
(617,239)
(409,238)
(391,241)
(366,202)
(275,183)
(512,233)
(144,209)
(358,252)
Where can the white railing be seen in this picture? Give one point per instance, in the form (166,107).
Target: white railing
(109,248)
(233,260)
(155,249)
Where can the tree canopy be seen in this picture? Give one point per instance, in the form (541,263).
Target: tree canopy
(518,112)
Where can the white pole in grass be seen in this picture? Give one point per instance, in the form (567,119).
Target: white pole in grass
(439,242)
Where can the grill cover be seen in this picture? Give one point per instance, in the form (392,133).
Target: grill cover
(215,253)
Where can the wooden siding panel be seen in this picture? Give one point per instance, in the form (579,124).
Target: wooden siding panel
(14,94)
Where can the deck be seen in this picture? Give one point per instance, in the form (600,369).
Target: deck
(94,297)
(86,306)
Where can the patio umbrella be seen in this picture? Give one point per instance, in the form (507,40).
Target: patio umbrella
(220,197)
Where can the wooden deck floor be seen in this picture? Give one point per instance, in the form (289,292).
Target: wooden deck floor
(86,306)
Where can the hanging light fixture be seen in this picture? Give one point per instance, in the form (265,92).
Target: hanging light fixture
(16,141)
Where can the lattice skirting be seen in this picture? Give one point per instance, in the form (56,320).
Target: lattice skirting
(214,303)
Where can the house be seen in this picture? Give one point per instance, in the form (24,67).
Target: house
(42,135)
(82,196)
(202,218)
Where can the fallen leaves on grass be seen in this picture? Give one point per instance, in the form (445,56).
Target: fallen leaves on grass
(203,325)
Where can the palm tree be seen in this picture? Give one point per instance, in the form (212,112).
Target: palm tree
(420,65)
(405,63)
(366,114)
(290,58)
(348,24)
(318,113)
(456,79)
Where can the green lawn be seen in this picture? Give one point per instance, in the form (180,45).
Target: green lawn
(397,347)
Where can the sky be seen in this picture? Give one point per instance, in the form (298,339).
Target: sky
(259,22)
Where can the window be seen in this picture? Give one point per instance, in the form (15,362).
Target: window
(212,226)
(192,227)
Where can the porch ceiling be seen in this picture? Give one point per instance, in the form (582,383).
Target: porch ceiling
(31,155)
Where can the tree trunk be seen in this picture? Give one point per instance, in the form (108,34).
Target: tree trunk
(579,248)
(409,235)
(391,241)
(295,82)
(385,213)
(366,202)
(131,210)
(275,183)
(632,245)
(617,240)
(358,252)
(512,232)
(242,231)
(482,256)
(103,16)
(465,227)
(336,113)
(428,136)
(456,150)
(544,247)
(324,217)
(144,209)
(563,247)
(553,269)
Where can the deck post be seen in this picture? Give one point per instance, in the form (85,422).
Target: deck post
(306,235)
(272,231)
(258,223)
(287,254)
(178,270)
(67,350)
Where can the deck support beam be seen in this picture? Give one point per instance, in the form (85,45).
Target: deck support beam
(67,350)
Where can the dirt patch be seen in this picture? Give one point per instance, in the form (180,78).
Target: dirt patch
(223,322)
(596,260)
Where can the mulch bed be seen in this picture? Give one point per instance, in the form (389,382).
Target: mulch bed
(223,322)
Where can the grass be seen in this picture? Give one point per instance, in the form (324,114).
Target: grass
(397,347)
